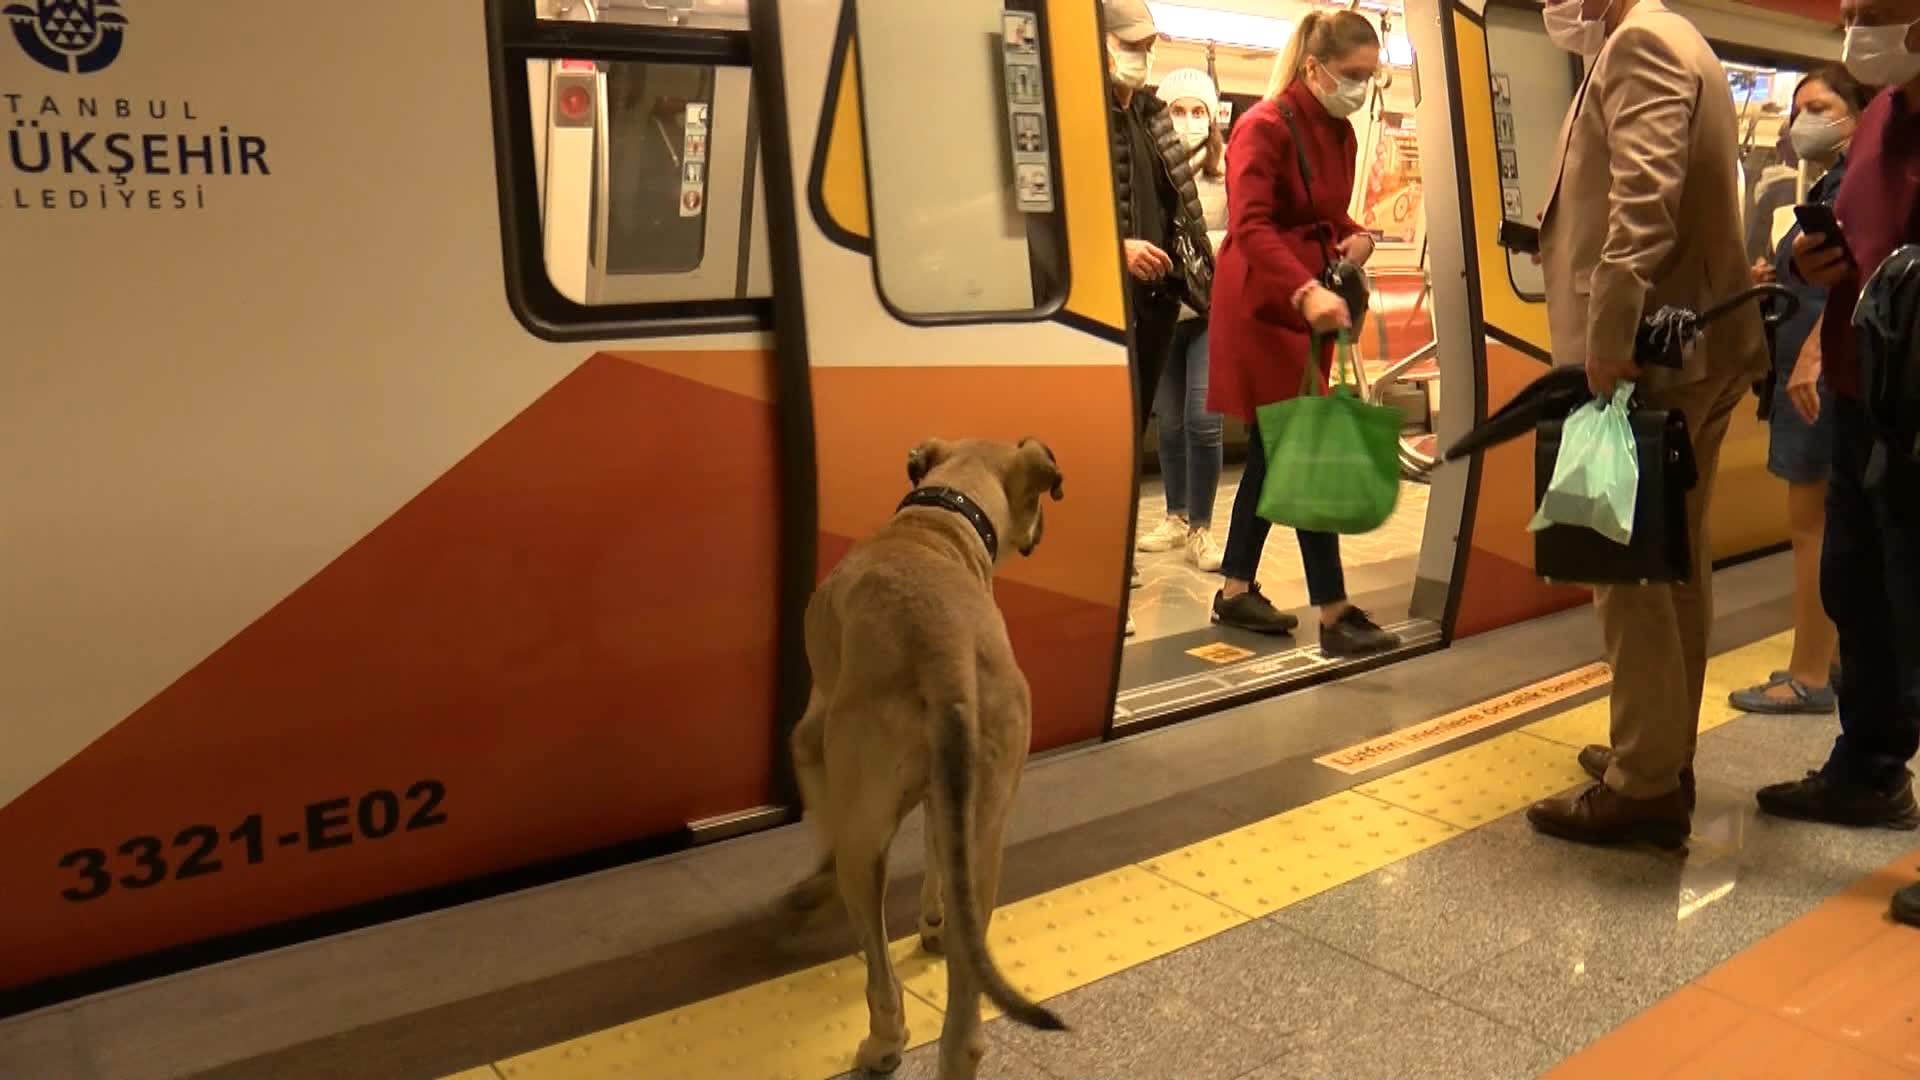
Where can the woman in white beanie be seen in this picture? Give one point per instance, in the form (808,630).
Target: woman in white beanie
(1190,458)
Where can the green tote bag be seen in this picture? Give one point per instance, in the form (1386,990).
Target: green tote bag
(1333,460)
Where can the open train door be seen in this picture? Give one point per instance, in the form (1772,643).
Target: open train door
(948,264)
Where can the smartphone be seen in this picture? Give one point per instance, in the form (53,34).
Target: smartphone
(1817,219)
(1519,238)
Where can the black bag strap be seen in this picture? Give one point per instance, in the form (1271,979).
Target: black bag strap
(1323,229)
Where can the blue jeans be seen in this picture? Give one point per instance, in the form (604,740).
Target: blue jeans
(1870,583)
(1247,536)
(1189,434)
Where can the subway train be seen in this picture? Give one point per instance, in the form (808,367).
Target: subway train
(424,430)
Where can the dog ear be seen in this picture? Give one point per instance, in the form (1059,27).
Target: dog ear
(924,458)
(1037,467)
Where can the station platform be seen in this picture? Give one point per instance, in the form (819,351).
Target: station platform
(1333,885)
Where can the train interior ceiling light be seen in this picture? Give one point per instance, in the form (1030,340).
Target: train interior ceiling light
(1249,31)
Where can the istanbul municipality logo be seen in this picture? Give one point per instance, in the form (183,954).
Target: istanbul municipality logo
(77,37)
(70,148)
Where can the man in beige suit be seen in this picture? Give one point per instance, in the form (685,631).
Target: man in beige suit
(1644,212)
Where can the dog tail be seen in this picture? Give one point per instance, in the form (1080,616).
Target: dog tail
(953,806)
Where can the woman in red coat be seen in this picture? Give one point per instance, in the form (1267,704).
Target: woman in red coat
(1281,227)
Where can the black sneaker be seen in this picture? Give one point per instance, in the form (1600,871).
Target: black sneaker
(1251,610)
(1820,798)
(1356,635)
(1906,905)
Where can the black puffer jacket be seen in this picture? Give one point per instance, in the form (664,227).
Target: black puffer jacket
(1189,220)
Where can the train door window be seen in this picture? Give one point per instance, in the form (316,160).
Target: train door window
(959,134)
(1532,84)
(644,162)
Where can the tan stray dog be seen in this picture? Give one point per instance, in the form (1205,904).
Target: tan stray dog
(917,698)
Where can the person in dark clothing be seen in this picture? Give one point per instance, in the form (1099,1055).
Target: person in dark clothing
(1163,229)
(1169,257)
(1870,560)
(1826,107)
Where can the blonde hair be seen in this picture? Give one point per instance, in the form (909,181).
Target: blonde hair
(1325,36)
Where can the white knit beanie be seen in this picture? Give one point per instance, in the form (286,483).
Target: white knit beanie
(1189,82)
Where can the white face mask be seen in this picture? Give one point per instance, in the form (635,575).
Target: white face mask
(1193,130)
(1878,56)
(1571,30)
(1347,97)
(1816,137)
(1132,69)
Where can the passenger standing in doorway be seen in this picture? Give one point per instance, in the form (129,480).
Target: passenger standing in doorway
(1826,107)
(1162,227)
(1870,565)
(1268,300)
(1190,457)
(1645,211)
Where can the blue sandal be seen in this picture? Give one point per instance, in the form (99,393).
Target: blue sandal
(1806,700)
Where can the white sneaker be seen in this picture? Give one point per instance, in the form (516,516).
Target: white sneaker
(1168,535)
(1131,629)
(1202,552)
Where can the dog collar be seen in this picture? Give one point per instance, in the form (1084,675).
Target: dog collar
(945,498)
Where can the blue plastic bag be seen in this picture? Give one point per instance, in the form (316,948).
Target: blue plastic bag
(1596,478)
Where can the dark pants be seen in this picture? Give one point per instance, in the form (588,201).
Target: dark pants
(1247,536)
(1870,583)
(1156,312)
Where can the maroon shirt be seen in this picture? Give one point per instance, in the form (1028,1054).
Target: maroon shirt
(1879,209)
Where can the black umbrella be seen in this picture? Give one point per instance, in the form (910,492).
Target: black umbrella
(1662,341)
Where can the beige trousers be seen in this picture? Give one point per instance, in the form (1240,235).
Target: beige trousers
(1655,636)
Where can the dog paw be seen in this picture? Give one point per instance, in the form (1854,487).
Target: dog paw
(876,1060)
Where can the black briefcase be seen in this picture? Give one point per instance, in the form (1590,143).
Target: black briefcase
(1659,553)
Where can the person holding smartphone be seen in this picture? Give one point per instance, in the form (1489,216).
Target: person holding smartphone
(1826,111)
(1870,560)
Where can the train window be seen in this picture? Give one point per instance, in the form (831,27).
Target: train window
(959,136)
(667,14)
(1532,83)
(648,181)
(658,120)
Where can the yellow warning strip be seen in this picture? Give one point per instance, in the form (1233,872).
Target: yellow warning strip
(805,1026)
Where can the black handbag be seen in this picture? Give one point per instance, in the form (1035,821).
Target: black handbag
(1659,553)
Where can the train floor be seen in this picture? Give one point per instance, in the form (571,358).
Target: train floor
(1176,597)
(1332,885)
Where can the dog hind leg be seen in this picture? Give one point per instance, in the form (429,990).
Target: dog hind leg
(933,914)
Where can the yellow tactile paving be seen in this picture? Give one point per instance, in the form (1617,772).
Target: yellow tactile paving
(1483,782)
(1577,727)
(1260,868)
(805,1026)
(802,1027)
(1067,938)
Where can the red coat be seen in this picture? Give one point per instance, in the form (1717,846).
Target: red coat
(1257,342)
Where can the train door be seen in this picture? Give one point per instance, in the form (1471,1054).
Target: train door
(394,500)
(953,270)
(1506,88)
(1182,662)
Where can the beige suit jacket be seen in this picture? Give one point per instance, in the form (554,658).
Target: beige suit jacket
(1645,205)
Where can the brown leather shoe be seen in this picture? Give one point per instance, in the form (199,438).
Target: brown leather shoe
(1594,761)
(1600,815)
